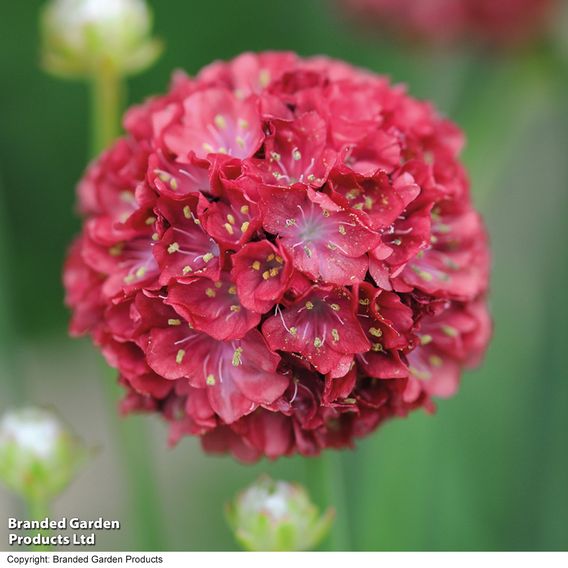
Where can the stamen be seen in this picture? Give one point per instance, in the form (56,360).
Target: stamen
(179,356)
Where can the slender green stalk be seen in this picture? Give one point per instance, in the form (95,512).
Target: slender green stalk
(38,509)
(107,93)
(135,456)
(325,479)
(9,371)
(501,101)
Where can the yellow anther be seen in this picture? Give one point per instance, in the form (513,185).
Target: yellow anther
(293,330)
(150,220)
(342,230)
(186,270)
(220,121)
(377,347)
(155,237)
(174,247)
(245,209)
(266,275)
(207,147)
(210,293)
(231,219)
(270,257)
(210,380)
(436,361)
(237,357)
(229,228)
(240,142)
(264,78)
(326,213)
(368,202)
(375,332)
(426,276)
(335,334)
(425,339)
(207,257)
(187,212)
(274,272)
(173,183)
(234,308)
(296,154)
(335,307)
(318,342)
(245,226)
(309,305)
(279,259)
(255,265)
(450,331)
(232,290)
(352,194)
(179,356)
(275,156)
(116,250)
(174,321)
(308,251)
(218,284)
(129,279)
(242,123)
(141,272)
(290,222)
(127,196)
(364,301)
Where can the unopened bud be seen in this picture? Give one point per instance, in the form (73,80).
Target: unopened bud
(39,456)
(277,516)
(79,36)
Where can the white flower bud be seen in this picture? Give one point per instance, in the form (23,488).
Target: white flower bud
(81,35)
(39,456)
(277,516)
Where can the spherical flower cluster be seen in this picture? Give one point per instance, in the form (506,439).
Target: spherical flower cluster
(487,22)
(280,255)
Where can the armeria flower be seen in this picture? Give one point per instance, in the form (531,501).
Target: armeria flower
(277,516)
(489,22)
(79,35)
(281,254)
(39,454)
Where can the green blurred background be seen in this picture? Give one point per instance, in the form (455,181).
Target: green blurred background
(488,472)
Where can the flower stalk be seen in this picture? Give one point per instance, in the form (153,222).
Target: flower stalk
(325,480)
(107,96)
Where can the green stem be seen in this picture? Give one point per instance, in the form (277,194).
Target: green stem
(38,509)
(325,479)
(107,92)
(500,103)
(9,367)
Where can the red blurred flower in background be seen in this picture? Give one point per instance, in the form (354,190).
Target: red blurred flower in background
(281,254)
(488,22)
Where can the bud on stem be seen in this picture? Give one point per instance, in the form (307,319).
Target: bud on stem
(277,516)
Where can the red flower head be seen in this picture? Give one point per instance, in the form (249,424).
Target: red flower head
(489,22)
(279,255)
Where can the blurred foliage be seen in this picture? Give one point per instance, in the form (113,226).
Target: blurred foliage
(490,469)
